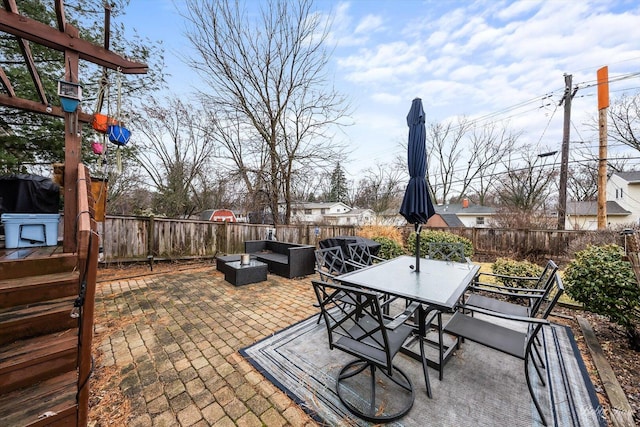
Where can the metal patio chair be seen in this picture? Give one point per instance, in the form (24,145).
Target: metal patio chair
(447,251)
(330,263)
(361,329)
(508,340)
(359,253)
(532,296)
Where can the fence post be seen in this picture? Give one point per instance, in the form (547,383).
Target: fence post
(150,240)
(221,238)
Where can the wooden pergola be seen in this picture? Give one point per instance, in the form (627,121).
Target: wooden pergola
(64,38)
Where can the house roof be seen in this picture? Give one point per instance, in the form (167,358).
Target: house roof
(352,212)
(316,205)
(632,177)
(456,208)
(452,220)
(590,208)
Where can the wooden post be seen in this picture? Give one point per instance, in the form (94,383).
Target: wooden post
(603,105)
(151,240)
(72,153)
(564,165)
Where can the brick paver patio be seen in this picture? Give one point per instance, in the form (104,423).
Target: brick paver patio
(173,339)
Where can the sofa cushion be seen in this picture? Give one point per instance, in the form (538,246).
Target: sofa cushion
(272,257)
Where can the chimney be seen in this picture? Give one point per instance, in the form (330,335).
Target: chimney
(465,203)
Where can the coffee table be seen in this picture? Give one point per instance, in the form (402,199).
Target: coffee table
(222,260)
(238,274)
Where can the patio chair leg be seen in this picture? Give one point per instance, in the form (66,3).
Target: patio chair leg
(531,392)
(424,367)
(535,365)
(372,399)
(440,348)
(539,357)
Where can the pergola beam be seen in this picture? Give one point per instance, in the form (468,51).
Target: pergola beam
(6,84)
(42,34)
(11,6)
(37,107)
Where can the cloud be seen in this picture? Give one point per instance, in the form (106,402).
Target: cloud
(369,24)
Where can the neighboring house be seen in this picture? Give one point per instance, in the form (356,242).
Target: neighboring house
(353,217)
(335,213)
(391,217)
(584,215)
(451,215)
(624,189)
(218,215)
(445,220)
(461,215)
(623,204)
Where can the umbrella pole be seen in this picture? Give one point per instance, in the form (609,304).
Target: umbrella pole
(418,230)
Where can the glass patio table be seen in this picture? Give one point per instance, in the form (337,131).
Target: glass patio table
(438,286)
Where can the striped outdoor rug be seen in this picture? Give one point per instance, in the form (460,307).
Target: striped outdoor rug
(481,387)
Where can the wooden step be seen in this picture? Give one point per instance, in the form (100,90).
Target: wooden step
(36,265)
(26,321)
(48,403)
(27,362)
(27,290)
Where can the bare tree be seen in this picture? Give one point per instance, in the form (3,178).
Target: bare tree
(267,69)
(489,145)
(463,158)
(583,184)
(175,153)
(382,187)
(624,121)
(444,151)
(527,184)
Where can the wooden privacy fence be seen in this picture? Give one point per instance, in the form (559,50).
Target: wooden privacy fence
(131,238)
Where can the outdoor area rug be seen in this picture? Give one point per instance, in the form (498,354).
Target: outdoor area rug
(481,387)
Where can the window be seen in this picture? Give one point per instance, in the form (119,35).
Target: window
(479,220)
(307,211)
(323,211)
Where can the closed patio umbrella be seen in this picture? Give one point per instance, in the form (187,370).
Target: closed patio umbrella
(416,206)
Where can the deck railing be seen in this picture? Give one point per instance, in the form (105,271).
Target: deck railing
(87,249)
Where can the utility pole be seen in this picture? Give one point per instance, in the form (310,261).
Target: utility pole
(564,165)
(603,105)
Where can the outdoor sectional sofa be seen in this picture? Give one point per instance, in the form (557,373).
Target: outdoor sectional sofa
(282,258)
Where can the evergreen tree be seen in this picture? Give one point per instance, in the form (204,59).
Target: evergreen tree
(339,190)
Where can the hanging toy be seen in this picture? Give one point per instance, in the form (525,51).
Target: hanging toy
(118,134)
(97,148)
(101,122)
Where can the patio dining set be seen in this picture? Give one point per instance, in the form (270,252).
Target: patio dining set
(374,309)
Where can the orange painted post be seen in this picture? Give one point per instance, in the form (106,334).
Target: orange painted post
(603,106)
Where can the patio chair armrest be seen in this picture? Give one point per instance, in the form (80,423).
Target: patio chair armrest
(354,264)
(506,276)
(485,286)
(377,258)
(512,292)
(402,317)
(325,274)
(524,319)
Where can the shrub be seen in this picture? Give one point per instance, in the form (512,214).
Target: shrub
(435,236)
(604,283)
(510,267)
(373,231)
(389,249)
